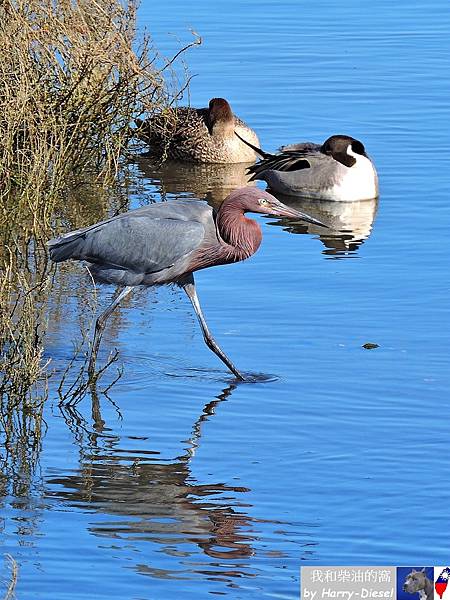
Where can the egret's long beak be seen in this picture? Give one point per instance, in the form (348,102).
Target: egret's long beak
(281,210)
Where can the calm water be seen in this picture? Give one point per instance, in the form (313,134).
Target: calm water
(184,484)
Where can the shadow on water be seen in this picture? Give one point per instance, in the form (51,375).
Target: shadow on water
(158,501)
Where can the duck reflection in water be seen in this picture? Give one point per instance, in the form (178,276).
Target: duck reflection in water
(349,223)
(207,181)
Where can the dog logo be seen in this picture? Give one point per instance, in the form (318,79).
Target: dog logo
(417,582)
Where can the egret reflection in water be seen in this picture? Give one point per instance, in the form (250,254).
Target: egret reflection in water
(150,499)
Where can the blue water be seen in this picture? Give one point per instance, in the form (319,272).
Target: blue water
(189,485)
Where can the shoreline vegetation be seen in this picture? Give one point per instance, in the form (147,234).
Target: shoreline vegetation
(73,77)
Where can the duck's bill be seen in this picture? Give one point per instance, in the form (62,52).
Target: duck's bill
(286,211)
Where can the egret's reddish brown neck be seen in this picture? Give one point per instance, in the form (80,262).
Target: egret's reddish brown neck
(237,231)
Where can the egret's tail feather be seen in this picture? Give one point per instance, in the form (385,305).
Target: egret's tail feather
(65,247)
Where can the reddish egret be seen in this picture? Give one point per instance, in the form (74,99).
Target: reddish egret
(166,242)
(201,135)
(339,170)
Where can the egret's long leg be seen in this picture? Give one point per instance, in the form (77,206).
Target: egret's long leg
(189,287)
(100,326)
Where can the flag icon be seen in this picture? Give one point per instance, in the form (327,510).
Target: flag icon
(440,585)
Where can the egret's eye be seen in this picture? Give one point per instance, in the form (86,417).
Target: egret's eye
(263,202)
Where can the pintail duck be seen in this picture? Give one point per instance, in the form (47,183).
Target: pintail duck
(339,170)
(201,135)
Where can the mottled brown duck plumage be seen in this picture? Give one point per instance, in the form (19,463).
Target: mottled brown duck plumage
(202,135)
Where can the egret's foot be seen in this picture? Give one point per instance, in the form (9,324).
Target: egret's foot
(257,378)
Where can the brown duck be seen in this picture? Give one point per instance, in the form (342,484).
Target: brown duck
(201,135)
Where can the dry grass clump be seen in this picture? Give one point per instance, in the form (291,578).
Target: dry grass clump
(70,84)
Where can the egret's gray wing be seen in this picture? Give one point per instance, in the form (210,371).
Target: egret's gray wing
(146,240)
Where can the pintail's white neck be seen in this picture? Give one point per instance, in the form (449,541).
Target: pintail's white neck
(354,154)
(358,182)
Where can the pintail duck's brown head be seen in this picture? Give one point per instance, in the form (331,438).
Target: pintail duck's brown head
(220,117)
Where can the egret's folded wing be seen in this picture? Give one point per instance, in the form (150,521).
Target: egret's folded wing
(136,242)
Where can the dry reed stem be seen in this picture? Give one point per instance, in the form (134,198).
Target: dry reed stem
(13,578)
